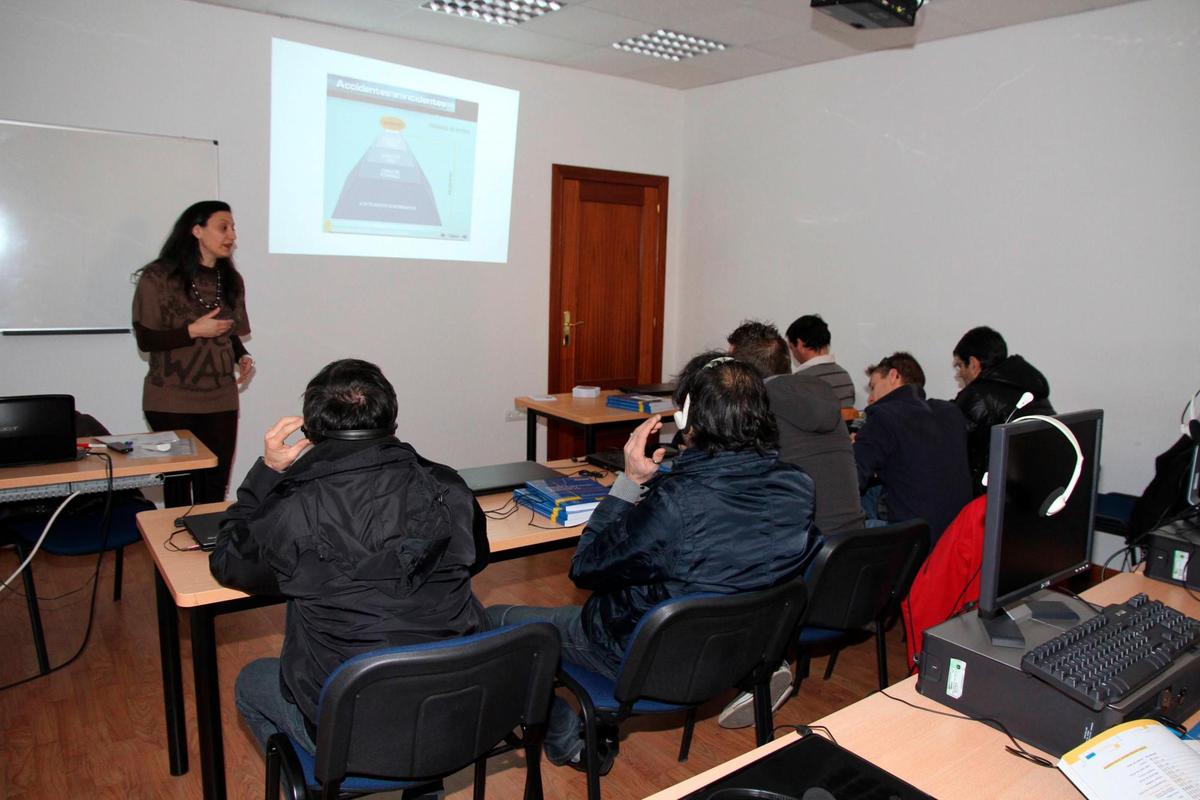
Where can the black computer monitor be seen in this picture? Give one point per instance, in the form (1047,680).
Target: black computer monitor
(1025,548)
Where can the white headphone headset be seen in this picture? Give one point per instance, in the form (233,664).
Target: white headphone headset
(681,416)
(1056,501)
(1189,422)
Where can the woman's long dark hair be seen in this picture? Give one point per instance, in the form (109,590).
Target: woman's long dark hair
(180,253)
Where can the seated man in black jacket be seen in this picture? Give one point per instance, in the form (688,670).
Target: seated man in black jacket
(728,517)
(373,545)
(993,382)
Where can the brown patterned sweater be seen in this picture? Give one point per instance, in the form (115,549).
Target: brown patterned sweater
(186,376)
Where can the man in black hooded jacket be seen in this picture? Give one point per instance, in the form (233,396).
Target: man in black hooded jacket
(993,383)
(372,545)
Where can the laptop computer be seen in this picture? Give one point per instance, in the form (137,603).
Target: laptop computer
(614,460)
(809,768)
(37,429)
(649,388)
(204,528)
(505,477)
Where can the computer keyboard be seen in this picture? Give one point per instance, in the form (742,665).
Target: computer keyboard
(1101,660)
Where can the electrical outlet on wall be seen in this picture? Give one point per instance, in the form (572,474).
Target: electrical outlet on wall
(512,415)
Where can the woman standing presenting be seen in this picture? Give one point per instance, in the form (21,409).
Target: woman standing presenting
(189,314)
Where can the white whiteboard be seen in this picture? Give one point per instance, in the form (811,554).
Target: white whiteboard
(80,211)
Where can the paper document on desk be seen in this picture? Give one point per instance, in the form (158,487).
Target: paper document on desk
(141,439)
(153,445)
(1139,758)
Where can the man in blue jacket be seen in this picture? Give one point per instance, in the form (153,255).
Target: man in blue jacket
(916,448)
(728,517)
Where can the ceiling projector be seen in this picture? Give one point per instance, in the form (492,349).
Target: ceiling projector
(871,13)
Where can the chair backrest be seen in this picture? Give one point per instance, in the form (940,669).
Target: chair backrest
(862,575)
(426,710)
(688,649)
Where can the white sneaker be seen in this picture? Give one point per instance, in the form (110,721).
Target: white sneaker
(740,711)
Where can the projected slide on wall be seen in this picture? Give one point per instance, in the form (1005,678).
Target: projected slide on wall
(377,159)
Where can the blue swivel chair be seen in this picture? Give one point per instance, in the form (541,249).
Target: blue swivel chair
(80,534)
(403,718)
(75,533)
(684,652)
(1113,511)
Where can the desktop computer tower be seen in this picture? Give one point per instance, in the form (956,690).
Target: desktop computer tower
(962,669)
(1169,551)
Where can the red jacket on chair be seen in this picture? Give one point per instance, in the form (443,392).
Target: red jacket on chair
(949,578)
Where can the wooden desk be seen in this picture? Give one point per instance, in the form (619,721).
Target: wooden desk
(944,756)
(89,474)
(588,413)
(182,581)
(95,469)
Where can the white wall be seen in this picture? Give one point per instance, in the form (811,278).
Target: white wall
(1041,179)
(459,340)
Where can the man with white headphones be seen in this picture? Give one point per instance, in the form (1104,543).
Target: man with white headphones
(728,517)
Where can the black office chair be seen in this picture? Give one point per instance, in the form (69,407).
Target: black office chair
(856,584)
(684,652)
(405,717)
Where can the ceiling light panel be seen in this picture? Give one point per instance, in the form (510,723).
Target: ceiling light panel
(497,12)
(669,45)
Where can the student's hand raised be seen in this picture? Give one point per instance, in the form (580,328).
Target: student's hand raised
(277,454)
(638,468)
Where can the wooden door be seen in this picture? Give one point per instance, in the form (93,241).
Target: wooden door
(607,270)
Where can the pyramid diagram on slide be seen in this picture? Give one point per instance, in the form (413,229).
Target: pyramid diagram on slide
(387,184)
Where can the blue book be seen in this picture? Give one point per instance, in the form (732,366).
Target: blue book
(644,403)
(567,516)
(569,490)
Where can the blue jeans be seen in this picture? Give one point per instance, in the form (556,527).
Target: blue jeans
(871,506)
(563,732)
(258,695)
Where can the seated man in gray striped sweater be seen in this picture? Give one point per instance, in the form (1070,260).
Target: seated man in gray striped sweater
(808,340)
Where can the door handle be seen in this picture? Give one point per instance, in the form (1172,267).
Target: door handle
(566,328)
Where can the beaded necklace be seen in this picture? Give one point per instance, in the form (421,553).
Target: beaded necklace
(216,302)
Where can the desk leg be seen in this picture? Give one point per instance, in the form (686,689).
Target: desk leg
(35,614)
(589,439)
(172,676)
(208,703)
(530,435)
